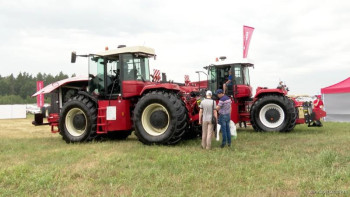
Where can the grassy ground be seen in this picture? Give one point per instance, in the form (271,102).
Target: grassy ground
(307,161)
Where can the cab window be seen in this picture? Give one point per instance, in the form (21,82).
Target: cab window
(136,68)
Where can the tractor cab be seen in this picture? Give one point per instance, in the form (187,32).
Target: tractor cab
(123,71)
(219,74)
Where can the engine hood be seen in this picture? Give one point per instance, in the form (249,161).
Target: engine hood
(49,88)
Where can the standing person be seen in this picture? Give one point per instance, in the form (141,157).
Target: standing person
(228,82)
(206,112)
(318,104)
(280,85)
(224,108)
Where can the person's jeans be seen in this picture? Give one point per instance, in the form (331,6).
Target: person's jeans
(224,121)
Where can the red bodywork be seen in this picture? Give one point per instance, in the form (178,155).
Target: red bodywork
(201,84)
(132,90)
(53,120)
(263,91)
(241,106)
(123,117)
(243,91)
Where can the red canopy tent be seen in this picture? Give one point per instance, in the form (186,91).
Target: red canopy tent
(341,87)
(336,100)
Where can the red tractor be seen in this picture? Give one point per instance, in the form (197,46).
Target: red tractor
(119,97)
(269,109)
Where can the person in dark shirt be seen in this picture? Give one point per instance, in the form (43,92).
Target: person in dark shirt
(224,109)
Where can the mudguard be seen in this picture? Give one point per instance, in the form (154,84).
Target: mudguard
(53,86)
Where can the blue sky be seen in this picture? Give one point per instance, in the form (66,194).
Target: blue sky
(304,43)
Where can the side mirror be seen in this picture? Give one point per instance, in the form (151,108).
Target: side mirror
(73,57)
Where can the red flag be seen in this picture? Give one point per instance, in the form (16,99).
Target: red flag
(247,35)
(187,80)
(40,97)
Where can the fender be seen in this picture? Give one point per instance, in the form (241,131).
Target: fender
(263,91)
(89,96)
(53,86)
(166,86)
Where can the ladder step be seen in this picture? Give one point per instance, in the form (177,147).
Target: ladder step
(101,121)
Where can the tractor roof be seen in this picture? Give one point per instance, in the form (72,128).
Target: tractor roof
(226,62)
(142,50)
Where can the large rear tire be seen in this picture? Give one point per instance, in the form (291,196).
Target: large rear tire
(294,117)
(160,118)
(273,113)
(78,120)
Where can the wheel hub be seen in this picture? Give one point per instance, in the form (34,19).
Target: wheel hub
(155,119)
(272,115)
(76,122)
(159,119)
(79,121)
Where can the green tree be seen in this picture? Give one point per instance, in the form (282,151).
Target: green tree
(18,90)
(3,86)
(39,77)
(10,84)
(11,99)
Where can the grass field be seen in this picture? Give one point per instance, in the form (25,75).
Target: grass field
(307,161)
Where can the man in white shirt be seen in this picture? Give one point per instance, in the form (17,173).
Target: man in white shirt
(206,112)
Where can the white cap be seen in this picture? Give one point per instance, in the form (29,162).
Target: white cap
(208,93)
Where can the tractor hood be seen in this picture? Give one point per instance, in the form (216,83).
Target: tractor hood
(49,88)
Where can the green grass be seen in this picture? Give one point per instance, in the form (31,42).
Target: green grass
(307,161)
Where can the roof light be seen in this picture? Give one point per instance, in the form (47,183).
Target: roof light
(222,58)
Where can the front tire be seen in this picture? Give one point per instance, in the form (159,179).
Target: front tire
(273,113)
(78,120)
(160,118)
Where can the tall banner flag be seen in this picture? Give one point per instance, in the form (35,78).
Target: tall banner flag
(40,97)
(247,35)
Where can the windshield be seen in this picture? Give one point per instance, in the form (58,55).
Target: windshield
(241,75)
(99,83)
(220,75)
(107,73)
(212,79)
(238,75)
(246,76)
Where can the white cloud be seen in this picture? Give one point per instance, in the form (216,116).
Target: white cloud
(294,41)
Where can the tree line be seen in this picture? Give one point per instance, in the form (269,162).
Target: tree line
(19,89)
